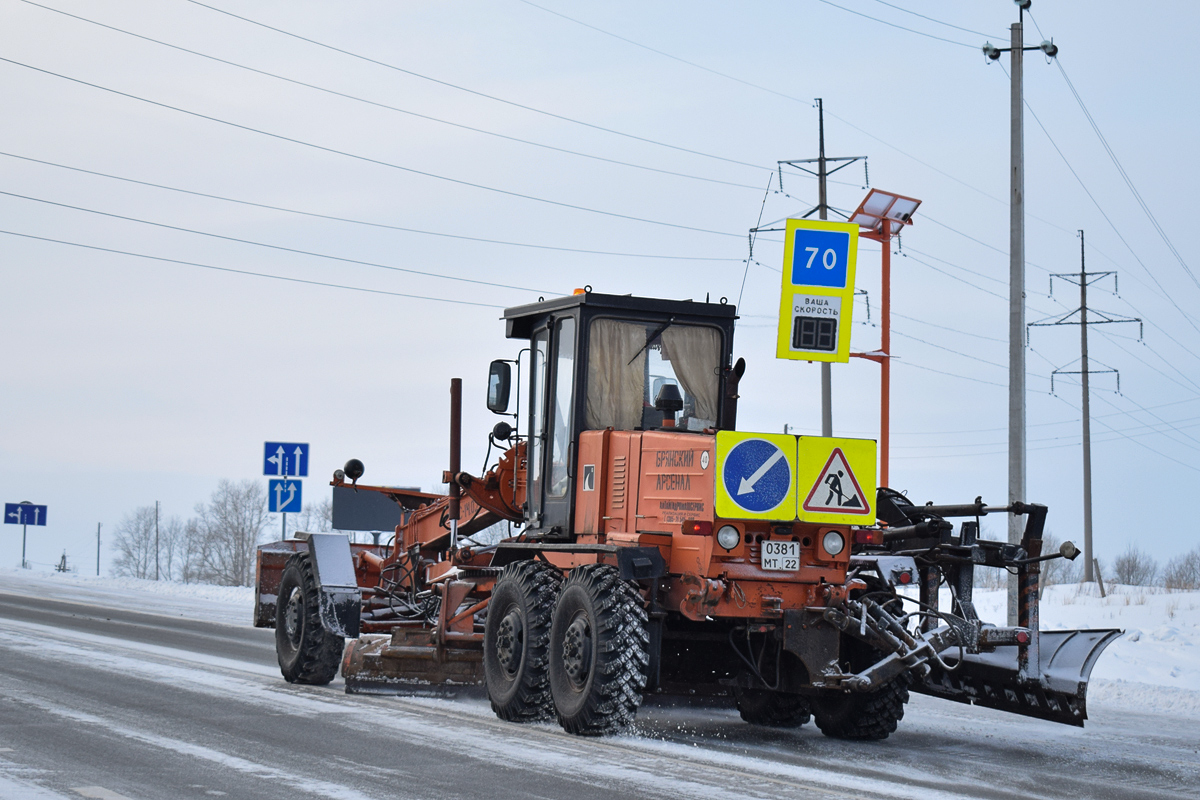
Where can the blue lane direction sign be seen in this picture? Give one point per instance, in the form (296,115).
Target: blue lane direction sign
(756,474)
(24,514)
(285,458)
(283,496)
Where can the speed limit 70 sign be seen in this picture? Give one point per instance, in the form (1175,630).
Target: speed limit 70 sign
(816,301)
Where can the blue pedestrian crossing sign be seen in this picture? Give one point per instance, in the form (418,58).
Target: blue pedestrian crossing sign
(816,301)
(24,514)
(283,496)
(285,458)
(756,475)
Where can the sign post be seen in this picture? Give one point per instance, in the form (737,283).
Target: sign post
(24,514)
(816,301)
(284,459)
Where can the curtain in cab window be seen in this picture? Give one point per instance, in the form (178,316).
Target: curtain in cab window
(616,387)
(695,355)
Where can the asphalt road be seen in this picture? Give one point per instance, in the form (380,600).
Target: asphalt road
(110,704)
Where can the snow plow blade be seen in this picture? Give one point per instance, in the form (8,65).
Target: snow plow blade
(410,662)
(1058,693)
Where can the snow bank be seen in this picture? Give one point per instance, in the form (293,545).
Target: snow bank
(232,605)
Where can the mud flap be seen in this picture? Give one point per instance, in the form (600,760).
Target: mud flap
(341,599)
(993,679)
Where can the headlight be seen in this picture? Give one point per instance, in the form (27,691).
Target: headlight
(833,543)
(728,537)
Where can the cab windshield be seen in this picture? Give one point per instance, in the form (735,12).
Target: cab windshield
(629,363)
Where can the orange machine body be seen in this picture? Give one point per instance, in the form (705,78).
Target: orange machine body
(656,489)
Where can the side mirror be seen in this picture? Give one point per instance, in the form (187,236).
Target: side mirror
(499,386)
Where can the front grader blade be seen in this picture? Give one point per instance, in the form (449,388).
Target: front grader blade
(1058,694)
(410,662)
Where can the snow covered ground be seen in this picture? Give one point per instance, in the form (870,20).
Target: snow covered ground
(1154,667)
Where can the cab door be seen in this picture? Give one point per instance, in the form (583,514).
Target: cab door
(552,427)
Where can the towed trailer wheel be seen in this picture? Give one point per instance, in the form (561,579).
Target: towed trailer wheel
(307,652)
(865,716)
(773,709)
(599,651)
(516,639)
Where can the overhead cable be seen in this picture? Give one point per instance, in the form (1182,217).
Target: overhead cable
(382,225)
(368,159)
(248,272)
(475,92)
(440,276)
(358,99)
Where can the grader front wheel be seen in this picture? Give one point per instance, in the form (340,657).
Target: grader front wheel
(599,651)
(307,652)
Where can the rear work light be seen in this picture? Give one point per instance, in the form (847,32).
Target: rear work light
(697,527)
(866,536)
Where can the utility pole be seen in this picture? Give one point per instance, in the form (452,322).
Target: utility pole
(97,549)
(155,540)
(1084,278)
(1016,286)
(822,210)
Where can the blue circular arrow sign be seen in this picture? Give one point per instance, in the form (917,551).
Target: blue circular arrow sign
(757,475)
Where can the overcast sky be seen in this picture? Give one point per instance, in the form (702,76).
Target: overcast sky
(457,158)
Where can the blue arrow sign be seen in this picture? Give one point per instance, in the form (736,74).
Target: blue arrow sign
(283,496)
(285,458)
(757,475)
(24,514)
(820,258)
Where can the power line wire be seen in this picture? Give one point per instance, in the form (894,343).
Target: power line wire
(275,246)
(665,54)
(352,221)
(475,92)
(397,109)
(894,25)
(248,272)
(368,159)
(939,22)
(1107,219)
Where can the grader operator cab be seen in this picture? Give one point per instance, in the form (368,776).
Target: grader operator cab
(659,550)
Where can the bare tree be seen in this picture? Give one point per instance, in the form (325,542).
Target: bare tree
(1183,572)
(229,529)
(1135,568)
(134,542)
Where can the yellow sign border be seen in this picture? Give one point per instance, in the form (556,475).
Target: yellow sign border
(812,453)
(788,291)
(728,508)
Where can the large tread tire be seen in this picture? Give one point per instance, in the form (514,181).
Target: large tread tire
(867,716)
(599,651)
(516,640)
(307,652)
(773,709)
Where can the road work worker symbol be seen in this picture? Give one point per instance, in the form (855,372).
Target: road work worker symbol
(837,489)
(756,476)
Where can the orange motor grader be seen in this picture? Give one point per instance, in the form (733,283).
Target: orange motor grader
(651,548)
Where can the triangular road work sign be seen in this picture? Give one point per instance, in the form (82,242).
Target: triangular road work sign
(837,490)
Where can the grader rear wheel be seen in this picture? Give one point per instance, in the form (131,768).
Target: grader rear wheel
(599,651)
(516,638)
(307,652)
